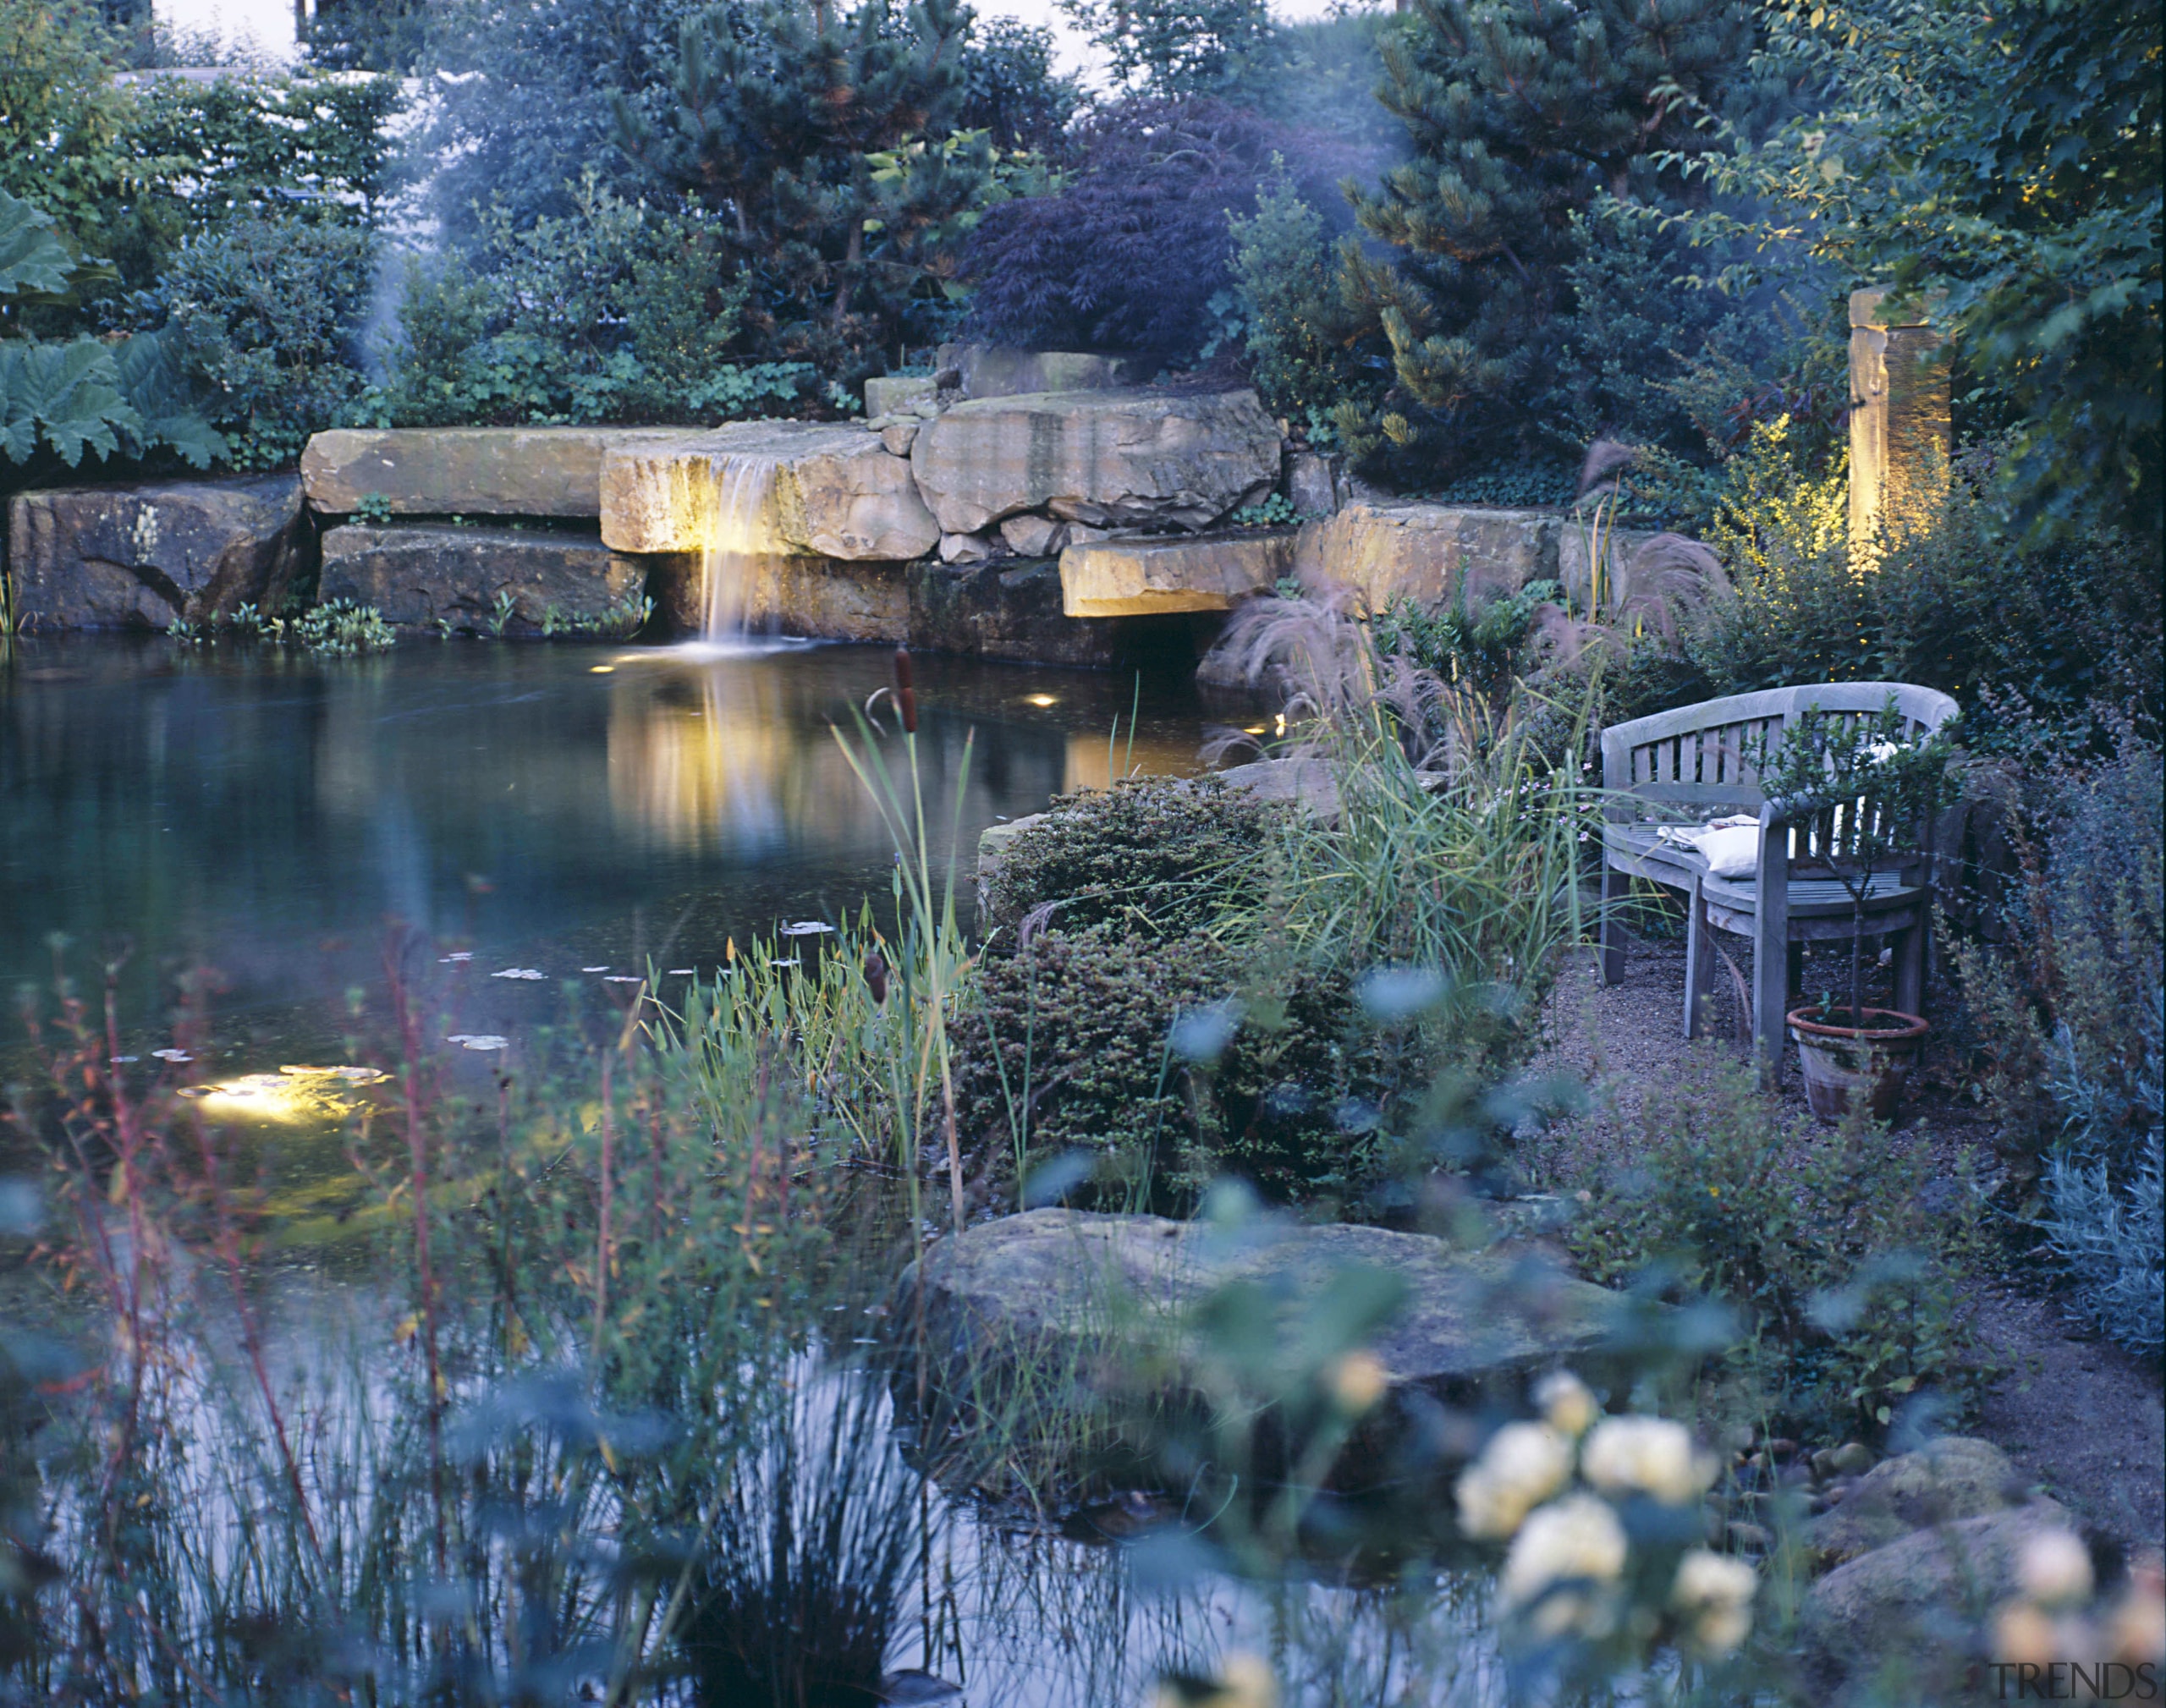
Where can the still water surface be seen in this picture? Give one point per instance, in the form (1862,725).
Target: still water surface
(557,808)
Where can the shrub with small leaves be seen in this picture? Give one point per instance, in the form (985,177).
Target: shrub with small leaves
(1816,1235)
(1161,855)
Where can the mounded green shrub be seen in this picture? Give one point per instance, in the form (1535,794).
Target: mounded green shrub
(1161,855)
(1147,1055)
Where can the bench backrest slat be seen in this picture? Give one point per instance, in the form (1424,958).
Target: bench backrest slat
(1699,757)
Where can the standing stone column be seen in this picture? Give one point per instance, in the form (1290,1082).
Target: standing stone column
(1900,438)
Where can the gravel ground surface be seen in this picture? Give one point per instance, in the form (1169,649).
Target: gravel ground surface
(2081,1417)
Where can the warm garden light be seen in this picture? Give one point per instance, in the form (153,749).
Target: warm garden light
(1039,699)
(292,1096)
(601,669)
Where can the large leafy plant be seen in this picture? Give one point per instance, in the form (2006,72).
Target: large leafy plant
(84,395)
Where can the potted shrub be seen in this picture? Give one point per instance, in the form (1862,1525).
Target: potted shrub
(1872,790)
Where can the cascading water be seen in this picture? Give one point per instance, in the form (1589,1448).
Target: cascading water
(738,535)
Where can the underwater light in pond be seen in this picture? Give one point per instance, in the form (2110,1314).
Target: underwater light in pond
(601,669)
(1039,699)
(291,1095)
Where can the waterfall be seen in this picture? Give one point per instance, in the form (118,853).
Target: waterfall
(739,534)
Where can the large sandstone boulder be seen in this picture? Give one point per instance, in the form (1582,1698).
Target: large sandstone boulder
(823,490)
(1953,1477)
(418,576)
(1904,1616)
(142,556)
(1001,370)
(1147,577)
(1123,458)
(1430,553)
(463,471)
(1070,1289)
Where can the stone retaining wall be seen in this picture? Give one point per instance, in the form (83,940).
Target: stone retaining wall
(940,521)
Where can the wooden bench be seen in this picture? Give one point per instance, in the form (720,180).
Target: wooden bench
(1695,764)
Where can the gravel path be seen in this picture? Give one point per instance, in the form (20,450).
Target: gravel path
(2083,1419)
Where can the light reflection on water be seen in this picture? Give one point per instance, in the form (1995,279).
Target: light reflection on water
(265,815)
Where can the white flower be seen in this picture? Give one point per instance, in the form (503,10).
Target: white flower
(2054,1569)
(1646,1456)
(1566,1402)
(1576,1542)
(1522,1466)
(1714,1593)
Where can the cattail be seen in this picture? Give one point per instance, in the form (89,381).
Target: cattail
(876,975)
(905,691)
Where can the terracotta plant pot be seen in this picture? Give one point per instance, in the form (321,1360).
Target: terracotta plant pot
(1839,1061)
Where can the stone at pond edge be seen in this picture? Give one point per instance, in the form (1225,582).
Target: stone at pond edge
(1309,784)
(1951,1478)
(1137,578)
(1105,1295)
(1099,458)
(418,575)
(472,471)
(141,556)
(1912,1609)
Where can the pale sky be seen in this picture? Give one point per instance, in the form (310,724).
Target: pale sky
(267,26)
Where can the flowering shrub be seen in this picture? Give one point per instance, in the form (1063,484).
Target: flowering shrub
(1609,1558)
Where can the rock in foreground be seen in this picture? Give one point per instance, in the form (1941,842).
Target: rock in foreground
(1063,1288)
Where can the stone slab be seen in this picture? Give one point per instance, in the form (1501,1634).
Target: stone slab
(1072,1287)
(1429,554)
(142,555)
(419,575)
(1149,577)
(893,395)
(1100,457)
(1002,370)
(470,471)
(836,492)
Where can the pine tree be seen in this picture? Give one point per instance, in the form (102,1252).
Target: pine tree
(825,140)
(1520,113)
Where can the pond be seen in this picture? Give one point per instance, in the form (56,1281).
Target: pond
(574,810)
(582,814)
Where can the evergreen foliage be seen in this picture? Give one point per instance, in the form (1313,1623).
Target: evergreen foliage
(1520,115)
(262,314)
(827,141)
(615,311)
(2006,161)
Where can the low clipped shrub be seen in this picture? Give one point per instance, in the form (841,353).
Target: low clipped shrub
(1158,855)
(1166,1063)
(1818,1237)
